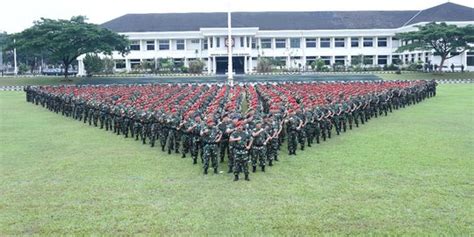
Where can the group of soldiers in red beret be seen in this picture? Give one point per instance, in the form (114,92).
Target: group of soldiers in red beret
(247,122)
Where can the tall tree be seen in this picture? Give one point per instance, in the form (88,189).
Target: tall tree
(65,40)
(445,40)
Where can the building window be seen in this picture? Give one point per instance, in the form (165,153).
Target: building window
(195,41)
(266,43)
(180,44)
(150,45)
(242,42)
(470,59)
(120,64)
(218,42)
(254,43)
(368,42)
(310,59)
(382,60)
(205,44)
(135,63)
(356,60)
(396,59)
(382,41)
(340,60)
(311,43)
(135,45)
(295,42)
(281,60)
(354,42)
(164,44)
(280,43)
(368,60)
(326,59)
(325,43)
(339,43)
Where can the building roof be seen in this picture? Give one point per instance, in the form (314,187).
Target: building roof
(317,20)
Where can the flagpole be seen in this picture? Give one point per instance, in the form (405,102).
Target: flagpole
(230,76)
(15,68)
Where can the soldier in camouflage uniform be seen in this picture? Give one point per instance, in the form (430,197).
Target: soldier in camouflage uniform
(309,127)
(223,126)
(241,142)
(195,129)
(260,139)
(211,137)
(294,124)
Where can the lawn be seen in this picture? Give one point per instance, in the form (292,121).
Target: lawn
(409,173)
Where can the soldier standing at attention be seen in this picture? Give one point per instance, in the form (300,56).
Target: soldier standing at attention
(294,123)
(242,143)
(211,136)
(259,146)
(195,130)
(224,145)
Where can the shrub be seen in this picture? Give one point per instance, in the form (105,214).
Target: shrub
(196,66)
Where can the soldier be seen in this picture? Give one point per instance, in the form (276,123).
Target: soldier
(186,136)
(195,129)
(260,139)
(294,124)
(211,136)
(309,127)
(225,126)
(242,143)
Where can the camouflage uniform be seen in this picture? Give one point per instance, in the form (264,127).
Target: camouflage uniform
(241,158)
(209,136)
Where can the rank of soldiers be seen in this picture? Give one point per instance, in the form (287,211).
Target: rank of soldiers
(208,122)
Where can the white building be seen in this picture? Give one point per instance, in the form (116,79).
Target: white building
(295,38)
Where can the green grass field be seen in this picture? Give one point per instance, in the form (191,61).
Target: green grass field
(411,173)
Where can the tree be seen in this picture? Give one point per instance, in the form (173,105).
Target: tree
(93,64)
(109,65)
(196,66)
(318,64)
(264,64)
(65,40)
(445,40)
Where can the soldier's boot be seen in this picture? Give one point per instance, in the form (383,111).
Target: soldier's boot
(254,169)
(205,171)
(270,163)
(263,168)
(236,177)
(317,140)
(247,177)
(230,170)
(309,143)
(194,160)
(162,148)
(176,151)
(222,159)
(184,155)
(302,147)
(169,152)
(276,158)
(215,170)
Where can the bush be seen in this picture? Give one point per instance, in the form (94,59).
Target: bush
(264,65)
(319,65)
(196,66)
(93,64)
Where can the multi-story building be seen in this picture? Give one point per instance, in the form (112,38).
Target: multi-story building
(294,38)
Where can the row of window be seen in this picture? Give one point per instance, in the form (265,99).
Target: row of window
(162,45)
(266,43)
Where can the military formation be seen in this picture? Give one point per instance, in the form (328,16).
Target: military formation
(245,125)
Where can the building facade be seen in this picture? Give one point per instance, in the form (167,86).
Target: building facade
(296,39)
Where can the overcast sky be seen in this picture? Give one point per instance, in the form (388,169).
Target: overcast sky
(17,15)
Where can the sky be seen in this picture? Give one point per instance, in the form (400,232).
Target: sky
(17,15)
